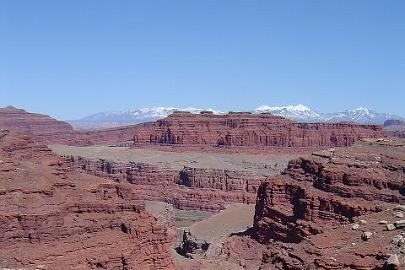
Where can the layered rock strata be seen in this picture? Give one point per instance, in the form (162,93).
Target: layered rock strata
(54,217)
(249,130)
(186,129)
(303,216)
(189,188)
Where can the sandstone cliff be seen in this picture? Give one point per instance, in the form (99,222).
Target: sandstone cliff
(303,216)
(249,130)
(181,128)
(188,188)
(54,217)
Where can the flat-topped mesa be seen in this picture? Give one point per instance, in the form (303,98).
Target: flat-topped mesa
(247,129)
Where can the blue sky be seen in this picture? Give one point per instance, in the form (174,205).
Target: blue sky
(76,57)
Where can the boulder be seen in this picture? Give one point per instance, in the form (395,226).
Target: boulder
(399,208)
(355,226)
(393,262)
(366,236)
(191,247)
(390,227)
(399,224)
(398,240)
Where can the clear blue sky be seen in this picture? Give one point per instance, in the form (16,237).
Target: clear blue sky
(73,58)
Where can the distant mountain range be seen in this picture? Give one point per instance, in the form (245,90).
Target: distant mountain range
(131,117)
(299,113)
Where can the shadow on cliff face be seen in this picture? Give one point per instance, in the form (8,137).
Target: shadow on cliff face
(249,232)
(191,247)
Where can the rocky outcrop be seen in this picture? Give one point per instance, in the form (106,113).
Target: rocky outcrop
(335,209)
(304,216)
(329,188)
(188,188)
(249,130)
(293,212)
(20,121)
(239,181)
(191,247)
(54,217)
(371,246)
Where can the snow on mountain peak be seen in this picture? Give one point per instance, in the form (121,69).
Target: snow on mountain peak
(295,112)
(299,113)
(291,108)
(362,110)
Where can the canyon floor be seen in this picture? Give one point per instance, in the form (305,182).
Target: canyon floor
(213,227)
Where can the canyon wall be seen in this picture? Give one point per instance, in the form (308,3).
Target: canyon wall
(330,187)
(249,130)
(188,188)
(54,217)
(303,216)
(183,128)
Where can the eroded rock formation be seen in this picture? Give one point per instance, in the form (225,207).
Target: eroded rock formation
(205,129)
(335,209)
(189,188)
(55,217)
(191,247)
(249,130)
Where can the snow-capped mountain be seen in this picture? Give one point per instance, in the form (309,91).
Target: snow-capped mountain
(130,117)
(360,115)
(299,113)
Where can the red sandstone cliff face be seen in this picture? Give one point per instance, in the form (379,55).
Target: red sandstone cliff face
(17,120)
(54,217)
(303,216)
(244,129)
(234,129)
(188,189)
